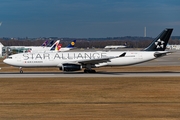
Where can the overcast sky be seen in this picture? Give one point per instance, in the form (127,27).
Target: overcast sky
(88,18)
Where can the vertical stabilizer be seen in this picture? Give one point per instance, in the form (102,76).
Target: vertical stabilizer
(160,42)
(55,45)
(50,43)
(45,43)
(72,44)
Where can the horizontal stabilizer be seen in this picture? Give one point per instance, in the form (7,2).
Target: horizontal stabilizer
(161,53)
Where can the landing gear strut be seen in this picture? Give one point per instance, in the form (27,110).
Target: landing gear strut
(20,70)
(88,69)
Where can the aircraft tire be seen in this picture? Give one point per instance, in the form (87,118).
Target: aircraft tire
(85,71)
(89,71)
(21,71)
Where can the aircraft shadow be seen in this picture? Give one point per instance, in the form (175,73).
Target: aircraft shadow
(98,72)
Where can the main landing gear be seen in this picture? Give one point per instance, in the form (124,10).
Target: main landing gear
(20,70)
(89,71)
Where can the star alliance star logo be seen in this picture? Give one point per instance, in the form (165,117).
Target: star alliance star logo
(159,44)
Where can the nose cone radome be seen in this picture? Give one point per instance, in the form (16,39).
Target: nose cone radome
(7,61)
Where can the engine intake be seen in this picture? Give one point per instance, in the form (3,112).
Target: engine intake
(70,67)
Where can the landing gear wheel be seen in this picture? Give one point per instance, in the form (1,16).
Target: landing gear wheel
(85,71)
(21,71)
(93,71)
(89,71)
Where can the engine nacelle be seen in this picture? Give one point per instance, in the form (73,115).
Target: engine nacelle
(70,67)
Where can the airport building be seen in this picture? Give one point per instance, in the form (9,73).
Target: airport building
(8,50)
(1,49)
(173,47)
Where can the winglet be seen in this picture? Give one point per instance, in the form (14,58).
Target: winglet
(122,55)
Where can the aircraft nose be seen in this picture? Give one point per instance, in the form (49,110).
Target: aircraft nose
(5,61)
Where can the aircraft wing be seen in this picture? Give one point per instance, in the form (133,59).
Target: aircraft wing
(99,60)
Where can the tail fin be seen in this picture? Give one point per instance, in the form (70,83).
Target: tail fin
(72,44)
(1,44)
(55,45)
(50,43)
(45,43)
(58,47)
(160,42)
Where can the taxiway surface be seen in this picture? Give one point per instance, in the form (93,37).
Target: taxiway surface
(106,94)
(99,74)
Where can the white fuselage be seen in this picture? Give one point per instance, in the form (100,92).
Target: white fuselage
(56,59)
(114,46)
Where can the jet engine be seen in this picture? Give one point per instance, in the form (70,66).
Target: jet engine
(70,67)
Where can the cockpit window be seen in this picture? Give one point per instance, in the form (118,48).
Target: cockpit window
(9,57)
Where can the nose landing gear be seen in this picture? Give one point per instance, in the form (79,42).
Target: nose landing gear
(20,70)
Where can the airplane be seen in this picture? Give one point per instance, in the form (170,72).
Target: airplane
(7,50)
(69,47)
(48,49)
(74,61)
(47,43)
(114,46)
(42,48)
